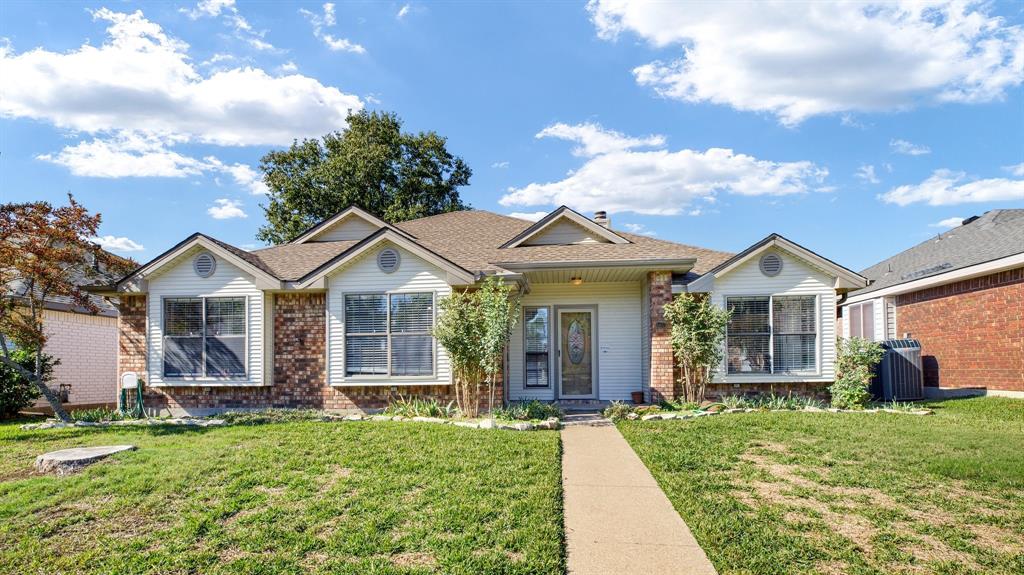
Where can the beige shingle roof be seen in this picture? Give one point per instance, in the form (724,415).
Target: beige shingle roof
(471,239)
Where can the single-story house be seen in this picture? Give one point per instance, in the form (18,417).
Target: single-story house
(86,376)
(341,317)
(961,294)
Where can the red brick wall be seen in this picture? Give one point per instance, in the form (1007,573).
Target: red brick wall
(971,332)
(299,367)
(663,379)
(816,390)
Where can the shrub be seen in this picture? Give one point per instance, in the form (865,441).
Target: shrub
(97,414)
(416,407)
(698,331)
(527,410)
(619,410)
(16,392)
(855,364)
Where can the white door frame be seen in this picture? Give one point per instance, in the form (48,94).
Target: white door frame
(594,349)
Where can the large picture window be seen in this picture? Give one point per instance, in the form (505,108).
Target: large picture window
(772,334)
(389,334)
(537,328)
(204,337)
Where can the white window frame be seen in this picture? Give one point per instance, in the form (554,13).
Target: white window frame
(771,338)
(860,308)
(163,340)
(377,378)
(551,348)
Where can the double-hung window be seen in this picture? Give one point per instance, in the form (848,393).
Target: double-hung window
(772,334)
(389,334)
(204,337)
(537,345)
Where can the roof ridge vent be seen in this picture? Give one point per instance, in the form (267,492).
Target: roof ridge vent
(969,220)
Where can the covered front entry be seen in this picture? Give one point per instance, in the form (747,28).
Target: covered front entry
(577,356)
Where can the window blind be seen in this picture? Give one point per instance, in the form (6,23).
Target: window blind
(537,322)
(204,337)
(389,334)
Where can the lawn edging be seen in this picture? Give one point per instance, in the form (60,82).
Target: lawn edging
(695,414)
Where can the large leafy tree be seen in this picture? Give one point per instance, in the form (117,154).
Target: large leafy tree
(45,254)
(372,164)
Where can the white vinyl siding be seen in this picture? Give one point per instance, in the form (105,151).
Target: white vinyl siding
(179,280)
(350,228)
(564,232)
(796,278)
(362,276)
(618,336)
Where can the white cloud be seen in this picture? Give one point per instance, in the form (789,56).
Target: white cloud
(1016,169)
(948,223)
(500,165)
(232,17)
(797,60)
(593,139)
(663,182)
(908,148)
(641,229)
(403,11)
(867,174)
(226,209)
(143,80)
(946,188)
(327,20)
(117,244)
(532,216)
(288,67)
(133,154)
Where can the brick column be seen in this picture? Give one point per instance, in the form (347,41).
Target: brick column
(131,336)
(662,378)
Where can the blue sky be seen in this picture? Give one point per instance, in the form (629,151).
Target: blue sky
(853,129)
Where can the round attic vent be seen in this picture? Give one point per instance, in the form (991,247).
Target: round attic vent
(771,265)
(204,265)
(388,260)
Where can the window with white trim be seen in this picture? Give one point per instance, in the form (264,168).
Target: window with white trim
(537,346)
(772,334)
(861,317)
(389,334)
(204,337)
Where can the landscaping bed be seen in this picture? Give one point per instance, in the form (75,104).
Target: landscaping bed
(775,492)
(301,496)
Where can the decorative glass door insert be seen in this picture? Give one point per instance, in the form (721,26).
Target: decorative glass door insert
(576,357)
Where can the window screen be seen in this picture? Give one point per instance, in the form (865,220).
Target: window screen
(748,336)
(389,334)
(862,320)
(795,332)
(204,337)
(537,322)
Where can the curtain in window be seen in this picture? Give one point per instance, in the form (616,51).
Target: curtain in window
(538,343)
(795,333)
(748,335)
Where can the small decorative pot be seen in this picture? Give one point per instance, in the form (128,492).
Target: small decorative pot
(638,397)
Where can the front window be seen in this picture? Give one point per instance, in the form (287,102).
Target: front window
(537,346)
(772,334)
(204,337)
(389,334)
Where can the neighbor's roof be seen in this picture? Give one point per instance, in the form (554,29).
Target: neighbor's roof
(996,234)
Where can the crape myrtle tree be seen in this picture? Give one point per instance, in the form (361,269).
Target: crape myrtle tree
(698,333)
(474,327)
(372,164)
(45,253)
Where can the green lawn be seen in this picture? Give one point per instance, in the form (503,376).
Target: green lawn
(286,498)
(768,493)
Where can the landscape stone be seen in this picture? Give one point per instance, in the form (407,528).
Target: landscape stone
(71,460)
(487,424)
(651,417)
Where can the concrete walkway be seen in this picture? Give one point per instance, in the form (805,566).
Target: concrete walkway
(617,519)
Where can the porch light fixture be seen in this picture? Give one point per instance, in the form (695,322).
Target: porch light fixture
(576,280)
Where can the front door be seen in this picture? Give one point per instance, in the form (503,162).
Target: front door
(576,354)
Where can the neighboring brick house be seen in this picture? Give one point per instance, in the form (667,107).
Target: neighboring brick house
(962,295)
(83,341)
(341,317)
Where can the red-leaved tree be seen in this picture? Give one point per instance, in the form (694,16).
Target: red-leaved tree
(45,254)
